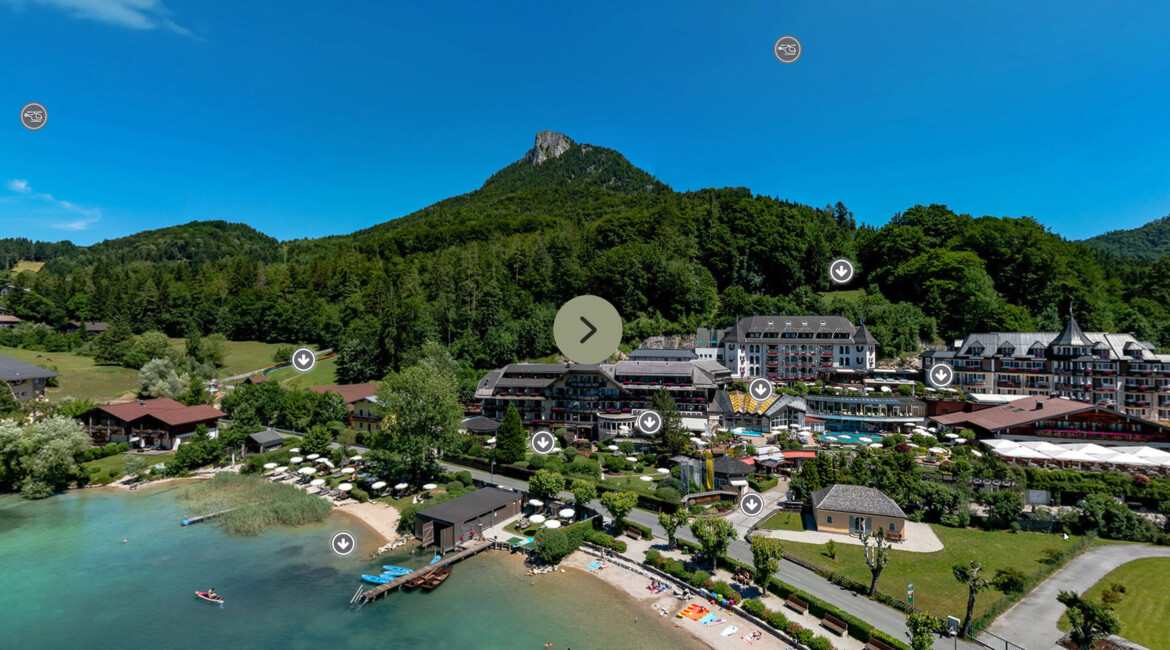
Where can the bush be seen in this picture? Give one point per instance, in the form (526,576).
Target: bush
(699,578)
(723,589)
(653,557)
(762,483)
(754,607)
(552,545)
(645,530)
(582,466)
(819,643)
(536,461)
(668,494)
(804,636)
(776,619)
(361,495)
(454,486)
(619,546)
(464,477)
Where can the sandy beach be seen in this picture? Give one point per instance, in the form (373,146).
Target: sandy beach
(635,586)
(381,518)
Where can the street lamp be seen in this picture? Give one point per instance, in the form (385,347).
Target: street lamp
(493,472)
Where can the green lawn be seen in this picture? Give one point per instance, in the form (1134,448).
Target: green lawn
(241,356)
(633,484)
(935,587)
(1145,607)
(851,295)
(80,378)
(324,373)
(117,462)
(784,521)
(25,265)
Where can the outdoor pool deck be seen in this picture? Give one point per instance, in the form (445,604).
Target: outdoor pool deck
(850,438)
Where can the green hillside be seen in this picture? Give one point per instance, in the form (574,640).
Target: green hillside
(1148,242)
(484,273)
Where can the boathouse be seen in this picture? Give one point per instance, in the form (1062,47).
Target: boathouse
(448,523)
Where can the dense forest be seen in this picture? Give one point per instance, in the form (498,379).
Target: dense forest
(1148,242)
(483,273)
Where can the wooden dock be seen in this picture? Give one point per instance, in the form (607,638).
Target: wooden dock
(448,560)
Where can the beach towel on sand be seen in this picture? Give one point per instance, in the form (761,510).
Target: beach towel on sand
(694,612)
(707,619)
(731,629)
(715,622)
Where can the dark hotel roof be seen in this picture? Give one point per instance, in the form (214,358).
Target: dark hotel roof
(469,506)
(14,370)
(858,499)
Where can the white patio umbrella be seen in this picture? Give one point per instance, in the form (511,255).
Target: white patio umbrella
(307,471)
(631,459)
(933,429)
(270,465)
(612,447)
(401,486)
(952,436)
(356,458)
(876,445)
(350,470)
(378,486)
(491,441)
(831,438)
(937,450)
(646,478)
(912,445)
(325,461)
(280,469)
(865,439)
(552,523)
(960,441)
(535,502)
(976,453)
(296,459)
(345,487)
(567,513)
(430,486)
(317,482)
(696,440)
(662,470)
(313,456)
(537,519)
(294,450)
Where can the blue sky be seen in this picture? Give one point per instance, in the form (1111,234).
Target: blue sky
(310,118)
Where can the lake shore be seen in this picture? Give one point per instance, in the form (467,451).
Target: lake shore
(377,516)
(651,605)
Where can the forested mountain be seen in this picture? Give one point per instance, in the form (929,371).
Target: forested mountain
(1148,242)
(484,273)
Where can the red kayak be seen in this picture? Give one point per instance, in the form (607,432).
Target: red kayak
(211,599)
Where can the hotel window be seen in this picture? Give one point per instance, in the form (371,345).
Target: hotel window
(893,528)
(828,519)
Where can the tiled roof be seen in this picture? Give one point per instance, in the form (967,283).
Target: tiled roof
(856,499)
(1015,413)
(350,392)
(163,409)
(731,466)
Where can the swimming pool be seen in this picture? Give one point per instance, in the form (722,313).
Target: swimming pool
(851,438)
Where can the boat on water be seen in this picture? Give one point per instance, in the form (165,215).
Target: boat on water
(388,570)
(436,558)
(202,595)
(378,580)
(415,583)
(436,578)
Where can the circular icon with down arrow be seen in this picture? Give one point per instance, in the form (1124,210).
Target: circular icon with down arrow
(342,543)
(760,389)
(304,359)
(941,375)
(751,504)
(841,271)
(543,442)
(649,422)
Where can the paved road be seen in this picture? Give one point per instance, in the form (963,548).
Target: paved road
(888,620)
(319,354)
(1031,623)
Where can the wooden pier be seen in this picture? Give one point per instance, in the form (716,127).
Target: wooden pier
(449,559)
(201,518)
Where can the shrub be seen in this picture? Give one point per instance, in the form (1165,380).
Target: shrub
(536,461)
(619,546)
(668,494)
(793,628)
(653,557)
(723,589)
(777,619)
(762,483)
(645,530)
(552,545)
(699,578)
(361,495)
(819,643)
(754,607)
(569,454)
(804,636)
(464,477)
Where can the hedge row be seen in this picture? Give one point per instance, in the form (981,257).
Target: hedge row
(645,530)
(858,628)
(852,585)
(762,483)
(645,501)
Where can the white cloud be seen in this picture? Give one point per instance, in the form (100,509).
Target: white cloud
(89,215)
(132,14)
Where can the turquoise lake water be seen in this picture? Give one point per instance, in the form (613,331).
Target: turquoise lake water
(68,581)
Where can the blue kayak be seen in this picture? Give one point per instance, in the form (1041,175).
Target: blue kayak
(378,580)
(388,570)
(436,559)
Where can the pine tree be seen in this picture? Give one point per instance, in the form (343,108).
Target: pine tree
(511,438)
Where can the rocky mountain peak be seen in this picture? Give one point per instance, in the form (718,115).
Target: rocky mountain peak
(549,145)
